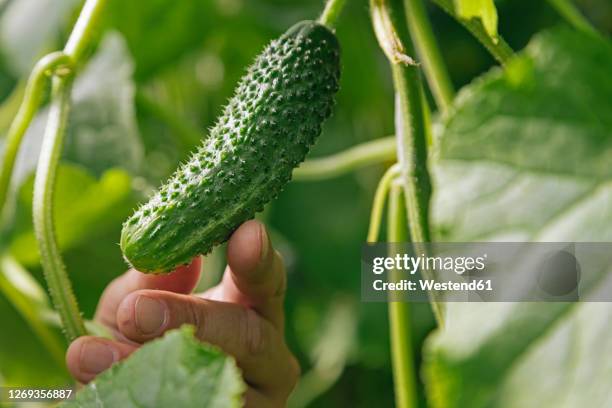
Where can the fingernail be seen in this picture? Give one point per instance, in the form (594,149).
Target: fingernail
(97,357)
(265,242)
(150,315)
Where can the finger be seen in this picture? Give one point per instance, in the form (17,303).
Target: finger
(88,356)
(182,280)
(255,276)
(257,346)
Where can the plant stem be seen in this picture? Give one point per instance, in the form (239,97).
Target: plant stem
(499,49)
(56,276)
(31,101)
(572,15)
(410,126)
(402,360)
(84,29)
(332,11)
(365,154)
(10,107)
(429,52)
(379,202)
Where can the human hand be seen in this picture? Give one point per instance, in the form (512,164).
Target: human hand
(243,315)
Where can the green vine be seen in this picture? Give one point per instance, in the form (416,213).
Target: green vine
(404,377)
(86,25)
(365,154)
(28,108)
(61,66)
(55,272)
(333,9)
(378,205)
(410,126)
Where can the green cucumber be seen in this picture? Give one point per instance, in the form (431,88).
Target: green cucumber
(265,131)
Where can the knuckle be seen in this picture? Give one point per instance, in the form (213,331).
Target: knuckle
(196,315)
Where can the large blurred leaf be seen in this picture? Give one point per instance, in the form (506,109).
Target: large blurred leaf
(158,32)
(24,361)
(29,28)
(84,206)
(175,371)
(102,130)
(525,155)
(33,353)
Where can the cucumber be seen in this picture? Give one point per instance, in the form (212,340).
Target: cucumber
(265,131)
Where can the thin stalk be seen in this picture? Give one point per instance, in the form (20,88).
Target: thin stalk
(379,202)
(411,136)
(362,155)
(572,15)
(94,328)
(55,273)
(31,101)
(499,48)
(333,9)
(10,107)
(410,126)
(56,276)
(427,47)
(84,29)
(404,377)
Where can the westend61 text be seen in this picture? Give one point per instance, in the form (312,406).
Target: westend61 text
(430,284)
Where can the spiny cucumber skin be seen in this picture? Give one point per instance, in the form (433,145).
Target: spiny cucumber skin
(265,131)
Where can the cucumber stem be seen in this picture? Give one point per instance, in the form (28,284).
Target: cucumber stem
(55,273)
(54,269)
(84,29)
(333,9)
(402,360)
(379,202)
(364,154)
(31,101)
(410,127)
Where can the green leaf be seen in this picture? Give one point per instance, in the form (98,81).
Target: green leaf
(102,131)
(525,155)
(175,371)
(159,32)
(83,207)
(484,10)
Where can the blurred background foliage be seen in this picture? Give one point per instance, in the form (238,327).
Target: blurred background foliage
(158,78)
